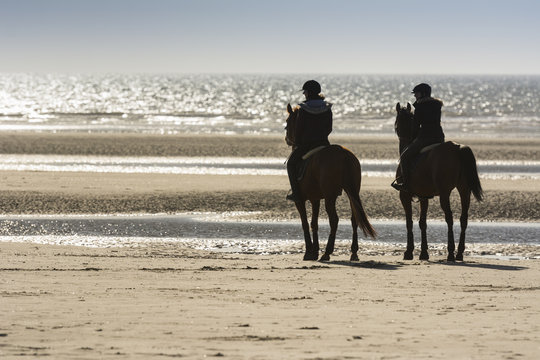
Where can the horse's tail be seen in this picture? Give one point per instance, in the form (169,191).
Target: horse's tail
(354,198)
(468,165)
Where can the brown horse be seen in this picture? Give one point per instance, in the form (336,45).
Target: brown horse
(437,173)
(329,171)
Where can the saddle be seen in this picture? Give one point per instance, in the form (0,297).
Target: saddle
(302,165)
(423,153)
(429,148)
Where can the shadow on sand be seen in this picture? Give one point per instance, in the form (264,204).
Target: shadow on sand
(366,264)
(386,266)
(483,266)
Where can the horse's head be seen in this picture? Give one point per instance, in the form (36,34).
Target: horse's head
(291,125)
(403,124)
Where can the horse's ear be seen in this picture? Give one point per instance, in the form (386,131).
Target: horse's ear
(398,107)
(289,109)
(409,106)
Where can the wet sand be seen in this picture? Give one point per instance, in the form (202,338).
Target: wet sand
(169,301)
(90,193)
(367,147)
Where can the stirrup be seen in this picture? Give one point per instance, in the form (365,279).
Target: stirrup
(292,197)
(398,186)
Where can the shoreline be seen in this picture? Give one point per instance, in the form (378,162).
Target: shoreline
(130,144)
(35,192)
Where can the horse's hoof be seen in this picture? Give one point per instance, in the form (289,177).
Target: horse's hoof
(424,256)
(459,257)
(325,257)
(451,258)
(354,257)
(311,256)
(408,256)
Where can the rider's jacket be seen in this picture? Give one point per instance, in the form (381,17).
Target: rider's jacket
(314,123)
(427,119)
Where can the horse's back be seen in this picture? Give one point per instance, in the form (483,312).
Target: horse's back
(336,156)
(328,169)
(442,165)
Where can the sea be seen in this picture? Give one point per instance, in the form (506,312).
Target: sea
(479,106)
(482,106)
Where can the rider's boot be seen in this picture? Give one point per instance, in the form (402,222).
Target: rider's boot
(295,189)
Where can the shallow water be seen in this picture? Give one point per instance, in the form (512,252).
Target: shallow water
(490,169)
(234,233)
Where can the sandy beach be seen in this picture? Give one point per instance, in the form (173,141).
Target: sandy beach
(170,301)
(32,192)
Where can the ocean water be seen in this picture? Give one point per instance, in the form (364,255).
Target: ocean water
(255,104)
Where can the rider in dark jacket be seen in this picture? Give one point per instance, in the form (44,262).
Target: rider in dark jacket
(426,130)
(313,125)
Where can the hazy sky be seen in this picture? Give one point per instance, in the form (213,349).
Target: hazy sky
(271,36)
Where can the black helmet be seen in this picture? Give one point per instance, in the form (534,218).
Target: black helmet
(422,88)
(312,87)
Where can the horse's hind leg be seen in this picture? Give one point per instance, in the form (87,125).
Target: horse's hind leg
(424,255)
(315,207)
(464,219)
(330,205)
(445,205)
(354,247)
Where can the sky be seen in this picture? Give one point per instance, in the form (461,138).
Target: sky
(272,36)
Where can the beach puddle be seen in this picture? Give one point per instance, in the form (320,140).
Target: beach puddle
(237,233)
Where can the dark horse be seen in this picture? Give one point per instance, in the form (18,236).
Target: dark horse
(437,173)
(329,171)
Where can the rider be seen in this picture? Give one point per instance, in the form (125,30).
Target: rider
(426,130)
(313,125)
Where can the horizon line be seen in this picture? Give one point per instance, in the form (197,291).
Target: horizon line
(264,73)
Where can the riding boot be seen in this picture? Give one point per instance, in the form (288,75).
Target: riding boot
(405,179)
(295,186)
(401,182)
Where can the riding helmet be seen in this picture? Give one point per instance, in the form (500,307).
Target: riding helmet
(422,88)
(311,86)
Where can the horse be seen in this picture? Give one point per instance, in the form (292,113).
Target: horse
(436,173)
(328,172)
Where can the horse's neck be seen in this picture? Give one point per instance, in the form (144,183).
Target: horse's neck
(403,143)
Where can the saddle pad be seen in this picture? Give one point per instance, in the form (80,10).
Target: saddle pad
(428,148)
(313,151)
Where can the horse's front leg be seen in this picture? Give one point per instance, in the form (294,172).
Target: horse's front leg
(330,206)
(445,205)
(315,207)
(301,206)
(424,255)
(406,201)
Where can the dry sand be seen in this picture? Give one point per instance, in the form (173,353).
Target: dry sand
(168,301)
